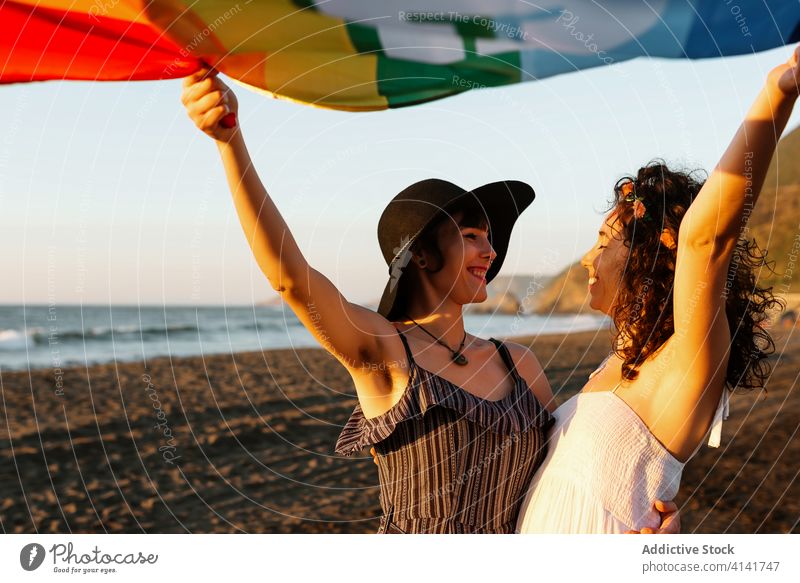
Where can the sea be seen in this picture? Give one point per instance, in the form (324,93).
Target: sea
(60,336)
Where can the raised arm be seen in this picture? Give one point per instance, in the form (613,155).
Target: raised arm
(709,233)
(348,331)
(714,222)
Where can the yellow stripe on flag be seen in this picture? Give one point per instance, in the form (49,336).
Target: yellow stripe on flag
(309,56)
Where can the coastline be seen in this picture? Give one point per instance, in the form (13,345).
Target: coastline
(244,443)
(37,336)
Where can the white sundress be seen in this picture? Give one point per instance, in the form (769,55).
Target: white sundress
(604,469)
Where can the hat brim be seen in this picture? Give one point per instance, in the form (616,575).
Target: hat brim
(503,203)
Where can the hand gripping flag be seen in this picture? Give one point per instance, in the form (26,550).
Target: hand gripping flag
(372,55)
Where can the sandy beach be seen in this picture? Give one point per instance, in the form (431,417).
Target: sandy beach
(244,443)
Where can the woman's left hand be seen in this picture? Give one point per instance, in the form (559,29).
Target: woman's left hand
(670,519)
(786,76)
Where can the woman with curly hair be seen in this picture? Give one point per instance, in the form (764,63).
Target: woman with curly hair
(672,269)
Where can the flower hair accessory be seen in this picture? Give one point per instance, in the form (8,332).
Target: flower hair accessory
(639,209)
(668,240)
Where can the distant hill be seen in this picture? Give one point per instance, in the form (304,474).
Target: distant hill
(775,225)
(785,167)
(775,221)
(567,292)
(508,294)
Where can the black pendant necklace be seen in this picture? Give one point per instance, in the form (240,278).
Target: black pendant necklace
(457,356)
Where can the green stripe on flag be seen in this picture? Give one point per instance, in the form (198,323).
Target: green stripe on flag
(407,82)
(365,39)
(475,27)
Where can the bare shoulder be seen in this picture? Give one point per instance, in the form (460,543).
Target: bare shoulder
(531,370)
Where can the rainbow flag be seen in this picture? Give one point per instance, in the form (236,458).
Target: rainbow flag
(372,55)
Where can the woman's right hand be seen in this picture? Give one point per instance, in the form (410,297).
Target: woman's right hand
(208,100)
(786,76)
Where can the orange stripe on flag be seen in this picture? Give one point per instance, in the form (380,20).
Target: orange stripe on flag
(48,43)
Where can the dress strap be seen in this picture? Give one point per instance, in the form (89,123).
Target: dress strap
(719,417)
(411,361)
(506,356)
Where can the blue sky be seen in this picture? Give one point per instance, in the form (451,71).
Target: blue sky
(110,195)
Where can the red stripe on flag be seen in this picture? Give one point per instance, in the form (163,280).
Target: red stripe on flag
(37,44)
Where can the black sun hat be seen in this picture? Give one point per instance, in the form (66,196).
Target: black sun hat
(408,213)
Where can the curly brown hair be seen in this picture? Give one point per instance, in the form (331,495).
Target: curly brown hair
(649,274)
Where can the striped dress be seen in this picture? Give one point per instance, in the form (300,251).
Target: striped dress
(448,461)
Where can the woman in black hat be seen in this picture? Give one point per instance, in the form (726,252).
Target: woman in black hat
(458,423)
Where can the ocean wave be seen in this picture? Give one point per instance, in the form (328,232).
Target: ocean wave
(17,339)
(14,339)
(272,325)
(131,330)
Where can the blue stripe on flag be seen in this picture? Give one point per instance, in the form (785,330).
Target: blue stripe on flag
(741,27)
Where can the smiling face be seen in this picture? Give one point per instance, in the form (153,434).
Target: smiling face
(605,263)
(465,254)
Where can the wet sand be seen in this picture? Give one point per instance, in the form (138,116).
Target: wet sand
(244,443)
